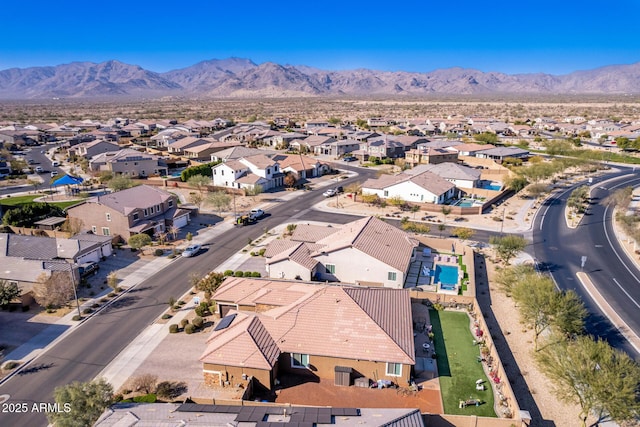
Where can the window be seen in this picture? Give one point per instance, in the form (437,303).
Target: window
(268,171)
(394,369)
(170,203)
(386,193)
(136,216)
(105,231)
(331,268)
(391,276)
(108,216)
(299,360)
(146,212)
(94,229)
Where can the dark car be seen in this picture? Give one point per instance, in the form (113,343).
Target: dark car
(88,268)
(349,159)
(339,189)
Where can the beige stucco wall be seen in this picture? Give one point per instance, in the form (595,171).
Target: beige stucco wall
(353,266)
(94,214)
(288,270)
(233,374)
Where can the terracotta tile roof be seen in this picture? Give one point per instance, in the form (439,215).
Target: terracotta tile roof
(376,238)
(470,147)
(259,160)
(312,233)
(333,321)
(246,342)
(250,178)
(278,246)
(447,170)
(427,180)
(138,197)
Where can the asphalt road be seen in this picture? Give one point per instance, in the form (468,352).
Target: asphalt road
(89,348)
(40,159)
(559,250)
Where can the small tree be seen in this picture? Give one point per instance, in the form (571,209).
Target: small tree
(112,280)
(120,182)
(196,199)
(508,246)
(139,241)
(516,183)
(8,292)
(161,237)
(219,200)
(55,290)
(145,383)
(446,210)
(255,191)
(210,282)
(173,231)
(199,182)
(290,180)
(464,233)
(82,403)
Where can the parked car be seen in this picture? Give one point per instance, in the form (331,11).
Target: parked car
(191,250)
(349,159)
(55,164)
(329,193)
(256,213)
(54,173)
(39,169)
(88,268)
(339,189)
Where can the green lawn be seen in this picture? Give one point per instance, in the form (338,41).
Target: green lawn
(458,365)
(20,200)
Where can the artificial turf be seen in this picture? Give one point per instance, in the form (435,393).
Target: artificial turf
(458,366)
(21,200)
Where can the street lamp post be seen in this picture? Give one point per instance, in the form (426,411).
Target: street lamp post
(73,285)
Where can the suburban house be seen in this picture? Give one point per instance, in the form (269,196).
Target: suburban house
(469,149)
(337,148)
(141,209)
(177,147)
(93,148)
(128,162)
(426,187)
(499,154)
(270,328)
(330,253)
(427,155)
(303,167)
(26,258)
(202,153)
(309,144)
(248,173)
(459,175)
(236,152)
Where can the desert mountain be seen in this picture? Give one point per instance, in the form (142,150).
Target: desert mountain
(237,77)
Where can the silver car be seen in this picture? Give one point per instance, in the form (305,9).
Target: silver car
(191,250)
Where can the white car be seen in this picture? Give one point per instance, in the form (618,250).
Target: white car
(191,250)
(329,193)
(39,169)
(256,213)
(54,173)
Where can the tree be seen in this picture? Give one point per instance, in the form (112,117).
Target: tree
(200,182)
(334,121)
(220,200)
(8,292)
(464,233)
(161,237)
(535,298)
(396,201)
(290,180)
(112,280)
(446,210)
(508,246)
(26,214)
(55,290)
(535,190)
(105,177)
(510,276)
(120,182)
(139,241)
(602,380)
(569,313)
(486,138)
(209,283)
(145,383)
(173,231)
(82,403)
(72,226)
(196,198)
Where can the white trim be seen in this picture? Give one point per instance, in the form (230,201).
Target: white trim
(303,366)
(393,374)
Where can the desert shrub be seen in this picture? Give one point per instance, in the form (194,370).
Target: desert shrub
(203,309)
(189,329)
(166,316)
(184,322)
(247,274)
(87,311)
(76,318)
(228,273)
(262,251)
(10,365)
(197,322)
(256,274)
(238,273)
(145,383)
(158,252)
(171,390)
(173,329)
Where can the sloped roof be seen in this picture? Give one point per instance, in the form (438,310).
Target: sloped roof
(427,180)
(43,248)
(447,170)
(138,197)
(333,321)
(258,160)
(312,233)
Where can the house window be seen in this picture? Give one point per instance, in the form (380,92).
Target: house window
(299,360)
(106,231)
(391,276)
(108,216)
(386,193)
(394,369)
(146,212)
(170,203)
(331,268)
(268,171)
(136,216)
(94,229)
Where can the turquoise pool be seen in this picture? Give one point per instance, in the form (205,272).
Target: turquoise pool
(467,203)
(447,275)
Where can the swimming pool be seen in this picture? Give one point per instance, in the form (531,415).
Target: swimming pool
(491,185)
(447,275)
(467,203)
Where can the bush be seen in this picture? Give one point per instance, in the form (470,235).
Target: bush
(238,273)
(262,251)
(166,316)
(76,318)
(173,329)
(158,252)
(228,273)
(147,398)
(189,329)
(184,322)
(87,311)
(256,274)
(197,322)
(247,274)
(171,390)
(10,365)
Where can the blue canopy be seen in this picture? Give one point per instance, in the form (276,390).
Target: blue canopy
(67,180)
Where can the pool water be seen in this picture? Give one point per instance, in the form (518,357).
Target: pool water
(467,203)
(490,185)
(446,275)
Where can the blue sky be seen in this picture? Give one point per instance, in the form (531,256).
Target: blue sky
(514,37)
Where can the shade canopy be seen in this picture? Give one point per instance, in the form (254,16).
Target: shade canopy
(67,180)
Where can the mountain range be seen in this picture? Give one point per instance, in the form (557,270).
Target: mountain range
(238,78)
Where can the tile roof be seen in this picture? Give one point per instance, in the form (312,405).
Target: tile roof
(259,160)
(312,233)
(124,155)
(138,197)
(427,180)
(447,170)
(333,321)
(43,248)
(503,151)
(470,147)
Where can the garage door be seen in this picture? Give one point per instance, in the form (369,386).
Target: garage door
(181,221)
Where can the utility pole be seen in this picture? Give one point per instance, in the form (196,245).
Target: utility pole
(75,292)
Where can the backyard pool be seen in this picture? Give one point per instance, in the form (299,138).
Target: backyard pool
(491,185)
(467,203)
(447,275)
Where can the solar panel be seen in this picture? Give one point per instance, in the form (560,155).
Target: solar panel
(224,322)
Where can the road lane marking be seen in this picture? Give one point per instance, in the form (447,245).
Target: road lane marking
(626,293)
